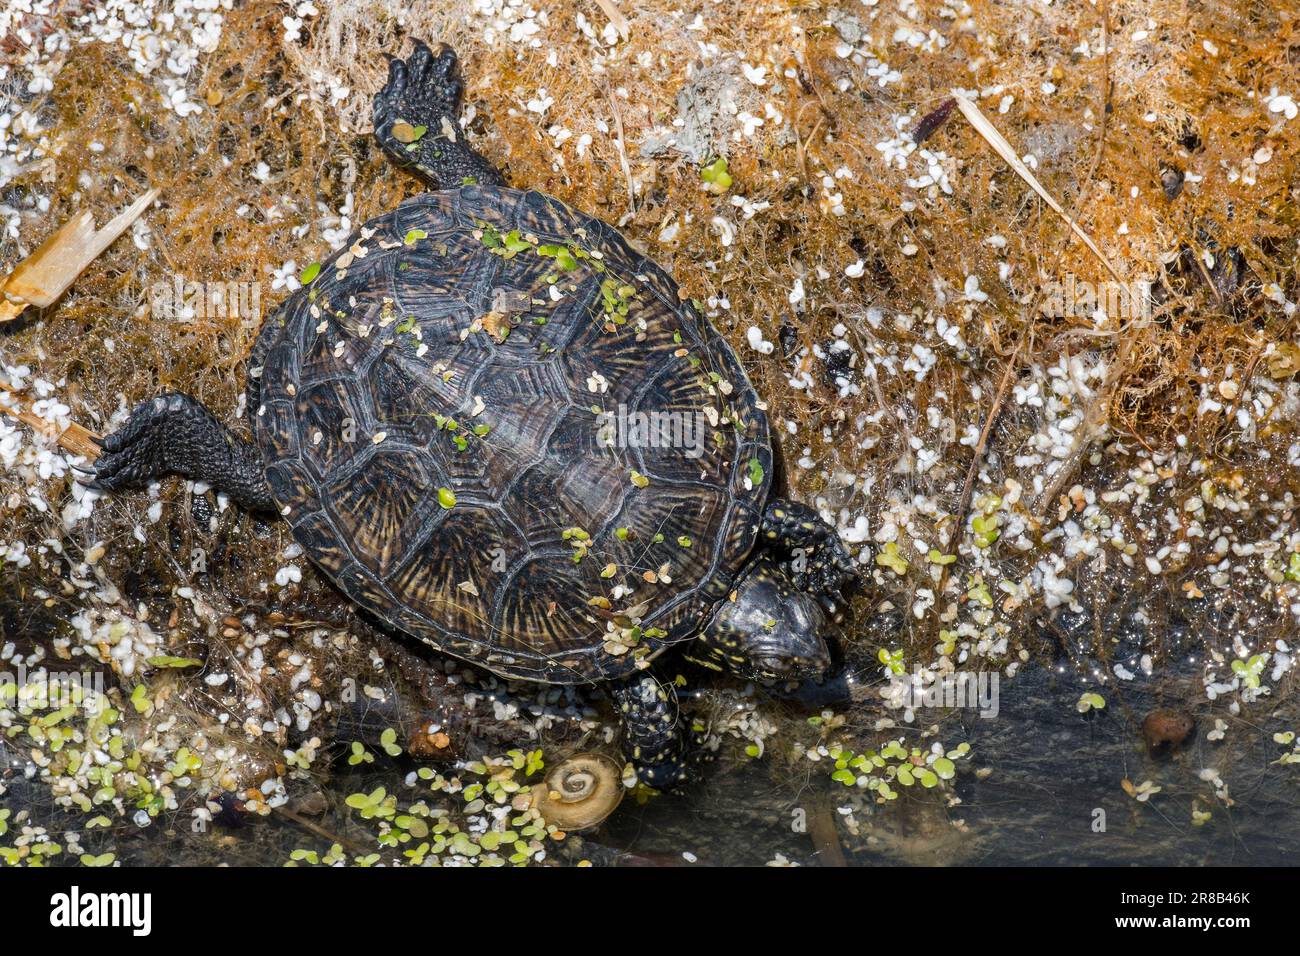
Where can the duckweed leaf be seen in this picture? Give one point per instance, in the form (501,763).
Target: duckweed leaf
(166,660)
(388,740)
(1090,701)
(715,176)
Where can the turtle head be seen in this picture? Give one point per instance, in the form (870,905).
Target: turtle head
(767,629)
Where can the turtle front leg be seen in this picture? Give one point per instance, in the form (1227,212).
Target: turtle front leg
(176,434)
(653,739)
(415,121)
(829,566)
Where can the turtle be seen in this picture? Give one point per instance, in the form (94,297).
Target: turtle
(502,430)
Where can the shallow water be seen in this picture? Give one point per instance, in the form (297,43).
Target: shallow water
(1053,770)
(1043,785)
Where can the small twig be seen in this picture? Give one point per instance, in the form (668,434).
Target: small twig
(616,18)
(1098,410)
(801,144)
(75,438)
(1136,437)
(968,486)
(622,151)
(1008,154)
(353,848)
(825,838)
(806,81)
(1209,279)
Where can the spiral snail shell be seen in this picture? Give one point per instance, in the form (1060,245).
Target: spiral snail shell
(580,792)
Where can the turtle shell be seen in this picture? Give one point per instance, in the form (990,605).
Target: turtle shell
(499,428)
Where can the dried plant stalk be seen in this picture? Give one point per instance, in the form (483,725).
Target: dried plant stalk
(616,18)
(45,275)
(1008,153)
(75,438)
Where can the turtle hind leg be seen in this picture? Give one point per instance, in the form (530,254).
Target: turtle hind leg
(176,434)
(653,737)
(415,121)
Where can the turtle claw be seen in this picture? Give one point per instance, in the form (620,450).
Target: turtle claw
(396,72)
(91,480)
(175,434)
(422,90)
(426,90)
(94,486)
(130,454)
(120,469)
(437,73)
(419,60)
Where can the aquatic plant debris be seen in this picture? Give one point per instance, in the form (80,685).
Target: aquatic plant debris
(1004,149)
(47,273)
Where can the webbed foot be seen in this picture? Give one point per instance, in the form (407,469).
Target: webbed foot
(415,120)
(176,434)
(829,568)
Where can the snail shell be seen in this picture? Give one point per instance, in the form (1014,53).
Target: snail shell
(580,792)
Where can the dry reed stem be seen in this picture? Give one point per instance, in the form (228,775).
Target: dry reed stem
(1007,152)
(611,10)
(77,439)
(47,273)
